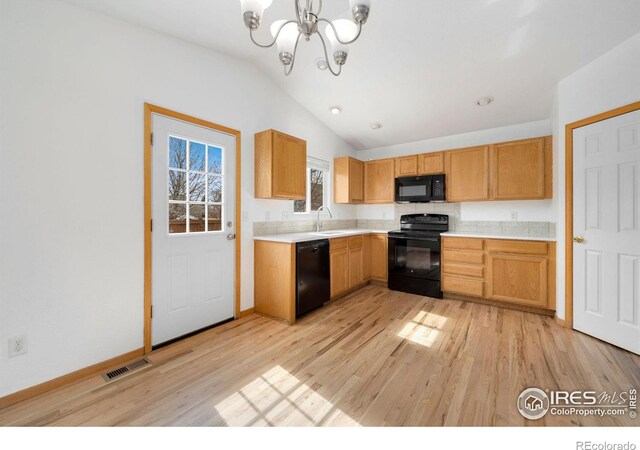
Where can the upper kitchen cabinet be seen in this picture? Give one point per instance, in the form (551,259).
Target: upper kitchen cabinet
(522,169)
(280,166)
(348,180)
(431,163)
(467,173)
(407,166)
(379,181)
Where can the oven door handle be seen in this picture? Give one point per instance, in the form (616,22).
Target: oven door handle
(415,238)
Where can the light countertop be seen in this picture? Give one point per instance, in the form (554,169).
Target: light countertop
(291,238)
(472,234)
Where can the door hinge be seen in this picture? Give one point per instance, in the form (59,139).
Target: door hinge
(152,311)
(152,139)
(151,225)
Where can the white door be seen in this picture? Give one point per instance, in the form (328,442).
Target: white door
(606,197)
(193,211)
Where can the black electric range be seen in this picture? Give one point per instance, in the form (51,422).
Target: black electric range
(414,254)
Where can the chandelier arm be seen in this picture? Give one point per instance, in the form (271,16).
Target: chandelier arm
(293,59)
(326,57)
(335,32)
(275,39)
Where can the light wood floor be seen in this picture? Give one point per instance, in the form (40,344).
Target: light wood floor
(375,357)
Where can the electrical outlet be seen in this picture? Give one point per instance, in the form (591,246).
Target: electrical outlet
(514,215)
(17,345)
(384,215)
(285,216)
(267,215)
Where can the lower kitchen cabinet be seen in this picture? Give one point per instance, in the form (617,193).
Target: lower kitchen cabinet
(510,271)
(275,279)
(518,279)
(379,257)
(339,260)
(355,261)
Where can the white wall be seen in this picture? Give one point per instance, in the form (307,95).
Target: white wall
(541,210)
(611,81)
(72,89)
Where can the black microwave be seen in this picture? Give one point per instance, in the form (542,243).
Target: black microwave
(424,189)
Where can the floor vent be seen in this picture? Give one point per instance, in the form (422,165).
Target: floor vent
(121,371)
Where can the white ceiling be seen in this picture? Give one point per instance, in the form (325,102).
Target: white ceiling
(419,65)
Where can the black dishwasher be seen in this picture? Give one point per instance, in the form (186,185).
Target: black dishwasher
(312,275)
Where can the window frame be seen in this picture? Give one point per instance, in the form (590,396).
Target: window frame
(188,171)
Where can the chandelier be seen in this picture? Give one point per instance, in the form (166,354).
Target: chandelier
(287,33)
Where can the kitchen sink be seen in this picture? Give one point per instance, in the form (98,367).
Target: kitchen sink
(328,233)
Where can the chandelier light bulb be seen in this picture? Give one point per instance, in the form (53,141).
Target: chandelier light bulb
(255,6)
(288,36)
(347,30)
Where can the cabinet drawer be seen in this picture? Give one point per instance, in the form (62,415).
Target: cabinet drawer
(355,242)
(338,243)
(463,269)
(462,243)
(518,247)
(462,256)
(460,285)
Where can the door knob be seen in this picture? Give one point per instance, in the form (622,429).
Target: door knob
(231,236)
(578,240)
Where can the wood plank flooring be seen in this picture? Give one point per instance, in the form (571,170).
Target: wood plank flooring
(373,358)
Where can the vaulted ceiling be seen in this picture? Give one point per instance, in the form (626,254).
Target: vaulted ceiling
(420,65)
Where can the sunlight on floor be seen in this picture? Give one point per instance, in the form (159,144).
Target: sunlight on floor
(279,398)
(423,329)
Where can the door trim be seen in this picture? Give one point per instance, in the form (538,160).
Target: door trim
(149,110)
(568,233)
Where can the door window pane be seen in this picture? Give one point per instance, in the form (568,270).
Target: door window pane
(177,185)
(197,156)
(215,160)
(215,189)
(177,153)
(177,218)
(214,213)
(196,218)
(197,187)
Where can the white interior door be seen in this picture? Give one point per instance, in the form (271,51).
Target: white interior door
(606,197)
(193,211)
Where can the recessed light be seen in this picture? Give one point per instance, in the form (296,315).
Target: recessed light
(322,63)
(376,126)
(485,101)
(335,109)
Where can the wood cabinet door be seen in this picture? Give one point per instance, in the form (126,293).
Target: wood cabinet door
(517,279)
(356,181)
(406,166)
(355,267)
(339,261)
(379,257)
(289,167)
(366,257)
(379,181)
(467,174)
(431,163)
(519,169)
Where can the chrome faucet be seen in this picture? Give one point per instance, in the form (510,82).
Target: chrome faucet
(318,216)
